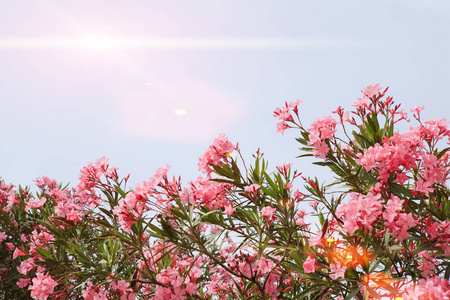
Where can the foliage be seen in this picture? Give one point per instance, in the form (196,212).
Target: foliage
(243,232)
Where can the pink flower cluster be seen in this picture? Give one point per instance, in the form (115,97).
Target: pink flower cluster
(439,233)
(396,155)
(369,92)
(397,221)
(97,292)
(320,131)
(7,196)
(401,153)
(360,212)
(285,115)
(428,289)
(91,176)
(203,191)
(42,287)
(136,203)
(215,154)
(309,265)
(252,191)
(269,212)
(250,265)
(180,279)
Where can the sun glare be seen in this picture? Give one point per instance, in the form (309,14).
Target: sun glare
(180,111)
(99,43)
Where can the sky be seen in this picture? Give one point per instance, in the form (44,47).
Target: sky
(151,83)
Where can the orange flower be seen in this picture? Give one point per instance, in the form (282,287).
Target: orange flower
(380,284)
(350,256)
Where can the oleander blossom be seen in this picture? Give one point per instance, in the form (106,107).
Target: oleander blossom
(122,287)
(136,203)
(181,286)
(433,288)
(269,212)
(211,194)
(360,212)
(321,131)
(396,155)
(3,236)
(92,292)
(43,286)
(35,203)
(285,114)
(337,271)
(309,265)
(371,90)
(215,154)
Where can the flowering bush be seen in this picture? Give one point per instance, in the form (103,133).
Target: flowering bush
(381,230)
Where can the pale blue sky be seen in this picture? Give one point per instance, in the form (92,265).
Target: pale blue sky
(171,75)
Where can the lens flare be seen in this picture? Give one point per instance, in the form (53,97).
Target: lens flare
(349,255)
(99,43)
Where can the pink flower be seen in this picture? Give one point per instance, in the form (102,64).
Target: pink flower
(400,226)
(309,266)
(23,282)
(284,169)
(252,190)
(18,252)
(371,90)
(272,285)
(360,211)
(94,293)
(428,264)
(337,271)
(316,240)
(283,114)
(424,186)
(35,203)
(122,287)
(229,209)
(3,236)
(299,217)
(211,194)
(26,266)
(215,154)
(361,103)
(429,288)
(393,206)
(102,162)
(320,149)
(322,129)
(10,246)
(295,104)
(43,286)
(281,127)
(416,111)
(269,213)
(264,265)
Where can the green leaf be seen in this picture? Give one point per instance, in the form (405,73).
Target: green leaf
(399,190)
(120,191)
(440,154)
(352,294)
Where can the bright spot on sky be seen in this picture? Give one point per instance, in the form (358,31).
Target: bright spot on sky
(153,111)
(180,111)
(100,43)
